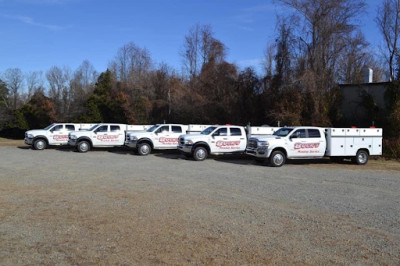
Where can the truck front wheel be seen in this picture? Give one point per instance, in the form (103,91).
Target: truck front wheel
(200,154)
(277,159)
(39,144)
(83,146)
(144,148)
(361,157)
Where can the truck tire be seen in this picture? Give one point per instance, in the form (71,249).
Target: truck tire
(144,148)
(83,146)
(277,159)
(39,144)
(200,154)
(361,157)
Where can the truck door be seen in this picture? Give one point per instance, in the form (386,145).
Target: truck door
(58,135)
(162,138)
(306,143)
(317,142)
(237,139)
(219,139)
(100,136)
(117,135)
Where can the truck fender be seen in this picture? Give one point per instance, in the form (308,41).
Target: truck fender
(146,140)
(41,137)
(277,149)
(201,143)
(85,138)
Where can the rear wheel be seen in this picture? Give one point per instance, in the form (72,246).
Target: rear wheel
(277,159)
(361,157)
(39,144)
(144,148)
(200,154)
(83,146)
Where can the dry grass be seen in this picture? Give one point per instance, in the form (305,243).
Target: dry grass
(11,142)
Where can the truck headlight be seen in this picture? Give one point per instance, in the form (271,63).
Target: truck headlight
(263,143)
(73,137)
(188,142)
(133,138)
(30,136)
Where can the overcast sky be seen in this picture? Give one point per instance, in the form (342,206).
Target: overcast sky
(38,34)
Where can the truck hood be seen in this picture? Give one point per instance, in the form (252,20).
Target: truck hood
(265,138)
(194,137)
(140,134)
(36,132)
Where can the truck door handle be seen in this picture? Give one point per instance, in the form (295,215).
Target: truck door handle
(225,138)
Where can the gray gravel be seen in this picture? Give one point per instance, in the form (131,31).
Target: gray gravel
(110,206)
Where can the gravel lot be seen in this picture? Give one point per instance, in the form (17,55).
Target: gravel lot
(113,207)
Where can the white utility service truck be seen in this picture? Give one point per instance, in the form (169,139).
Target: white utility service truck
(54,134)
(160,137)
(316,142)
(102,135)
(227,139)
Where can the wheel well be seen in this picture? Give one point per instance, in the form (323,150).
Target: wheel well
(86,139)
(41,137)
(205,145)
(363,149)
(281,150)
(148,141)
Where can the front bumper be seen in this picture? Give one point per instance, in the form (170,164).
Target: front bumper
(185,148)
(72,142)
(28,141)
(260,152)
(131,143)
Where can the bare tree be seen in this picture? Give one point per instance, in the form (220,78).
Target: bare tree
(388,21)
(131,64)
(200,48)
(59,81)
(14,79)
(34,80)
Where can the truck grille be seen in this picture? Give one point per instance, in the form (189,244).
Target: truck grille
(181,141)
(252,144)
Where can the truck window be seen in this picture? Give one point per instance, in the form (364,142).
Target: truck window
(300,133)
(314,133)
(221,132)
(102,129)
(70,127)
(236,131)
(176,129)
(163,129)
(208,130)
(283,132)
(57,128)
(114,128)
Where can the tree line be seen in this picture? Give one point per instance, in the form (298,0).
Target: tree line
(317,46)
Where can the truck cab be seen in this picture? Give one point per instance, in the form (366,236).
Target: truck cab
(54,134)
(159,136)
(213,140)
(100,135)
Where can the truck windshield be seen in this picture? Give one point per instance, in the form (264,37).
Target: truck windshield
(207,130)
(283,132)
(49,126)
(153,128)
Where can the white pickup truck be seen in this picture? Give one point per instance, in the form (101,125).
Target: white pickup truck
(160,137)
(102,135)
(217,140)
(315,142)
(54,134)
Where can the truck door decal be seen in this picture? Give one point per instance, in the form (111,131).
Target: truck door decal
(227,145)
(168,141)
(306,147)
(107,138)
(60,137)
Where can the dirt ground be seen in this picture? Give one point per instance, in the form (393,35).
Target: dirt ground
(112,207)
